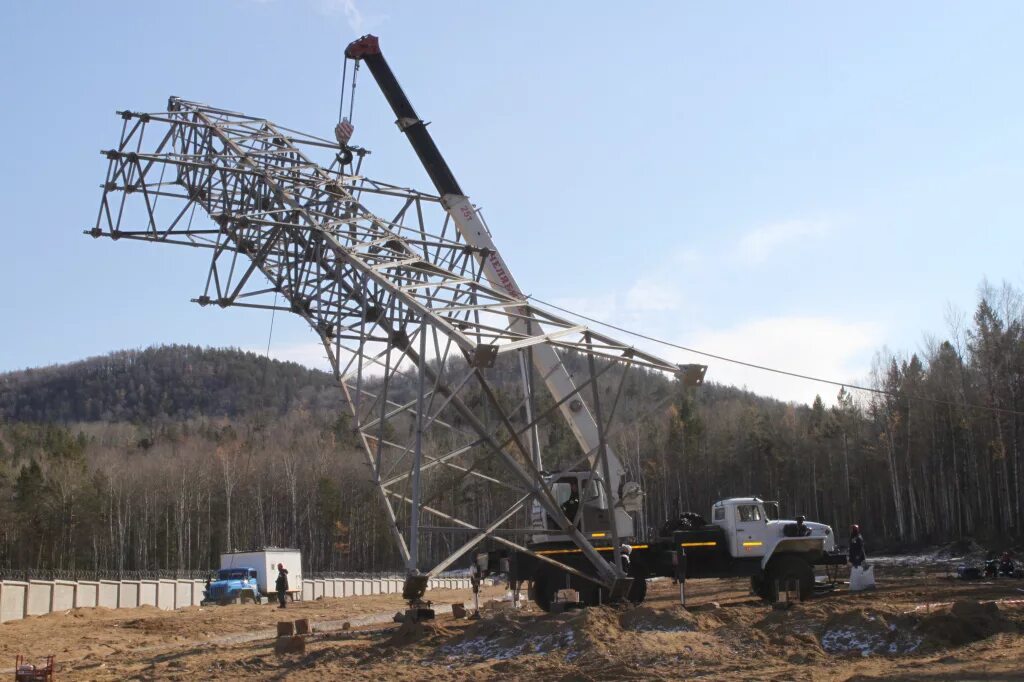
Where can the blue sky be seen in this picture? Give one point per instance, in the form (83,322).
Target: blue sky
(797,184)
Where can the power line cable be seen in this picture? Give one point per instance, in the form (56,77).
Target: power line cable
(765,368)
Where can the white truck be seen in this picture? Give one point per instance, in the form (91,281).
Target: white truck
(265,562)
(745,538)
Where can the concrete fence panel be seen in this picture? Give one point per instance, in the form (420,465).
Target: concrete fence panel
(147,592)
(182,593)
(63,596)
(37,601)
(198,590)
(128,594)
(347,588)
(108,592)
(165,595)
(331,588)
(13,595)
(87,594)
(307,590)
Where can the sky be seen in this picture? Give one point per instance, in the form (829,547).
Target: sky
(794,184)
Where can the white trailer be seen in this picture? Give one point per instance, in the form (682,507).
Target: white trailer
(265,562)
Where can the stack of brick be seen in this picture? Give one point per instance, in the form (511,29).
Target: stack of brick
(291,636)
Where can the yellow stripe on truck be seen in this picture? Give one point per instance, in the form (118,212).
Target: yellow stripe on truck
(699,544)
(752,544)
(575,551)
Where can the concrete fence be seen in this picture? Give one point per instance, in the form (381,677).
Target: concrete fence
(19,599)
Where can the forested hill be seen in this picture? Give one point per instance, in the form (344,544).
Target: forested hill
(162,458)
(176,382)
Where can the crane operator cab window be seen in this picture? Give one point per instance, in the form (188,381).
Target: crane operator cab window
(567,495)
(583,501)
(748,512)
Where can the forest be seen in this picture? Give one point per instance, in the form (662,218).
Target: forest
(159,459)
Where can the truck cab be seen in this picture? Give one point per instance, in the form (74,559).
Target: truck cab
(232,585)
(753,529)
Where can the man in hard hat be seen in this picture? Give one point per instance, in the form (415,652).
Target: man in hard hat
(281,585)
(856,554)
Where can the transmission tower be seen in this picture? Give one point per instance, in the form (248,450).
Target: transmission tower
(414,332)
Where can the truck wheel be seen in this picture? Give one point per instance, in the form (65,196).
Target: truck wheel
(638,590)
(542,589)
(759,586)
(793,569)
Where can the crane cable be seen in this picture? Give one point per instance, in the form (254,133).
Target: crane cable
(765,368)
(344,78)
(344,82)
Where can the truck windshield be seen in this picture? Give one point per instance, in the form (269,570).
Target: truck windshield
(232,574)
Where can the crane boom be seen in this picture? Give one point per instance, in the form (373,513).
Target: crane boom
(558,380)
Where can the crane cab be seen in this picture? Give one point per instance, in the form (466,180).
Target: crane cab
(581,497)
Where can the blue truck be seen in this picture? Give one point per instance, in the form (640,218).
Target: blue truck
(233,585)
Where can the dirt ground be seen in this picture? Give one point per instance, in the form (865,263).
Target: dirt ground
(918,625)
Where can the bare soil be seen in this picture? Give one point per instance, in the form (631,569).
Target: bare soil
(918,625)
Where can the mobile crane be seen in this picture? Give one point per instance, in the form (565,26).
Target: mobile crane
(598,499)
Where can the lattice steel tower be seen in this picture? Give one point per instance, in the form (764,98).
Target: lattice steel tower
(415,309)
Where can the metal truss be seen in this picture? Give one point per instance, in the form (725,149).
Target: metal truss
(415,335)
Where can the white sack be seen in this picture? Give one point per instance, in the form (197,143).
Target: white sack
(862,578)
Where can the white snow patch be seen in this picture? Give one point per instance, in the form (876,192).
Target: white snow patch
(844,640)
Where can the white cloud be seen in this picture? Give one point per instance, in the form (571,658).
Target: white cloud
(759,244)
(652,294)
(817,346)
(352,14)
(359,22)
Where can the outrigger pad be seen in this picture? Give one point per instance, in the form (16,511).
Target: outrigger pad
(418,614)
(415,587)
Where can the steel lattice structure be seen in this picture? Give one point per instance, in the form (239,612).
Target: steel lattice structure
(397,296)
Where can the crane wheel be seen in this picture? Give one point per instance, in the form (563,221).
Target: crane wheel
(759,586)
(790,568)
(638,590)
(542,589)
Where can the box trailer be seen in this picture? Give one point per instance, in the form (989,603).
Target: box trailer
(265,562)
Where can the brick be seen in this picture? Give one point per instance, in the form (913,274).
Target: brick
(290,645)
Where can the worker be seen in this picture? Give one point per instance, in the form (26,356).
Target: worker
(624,552)
(856,555)
(1006,565)
(282,585)
(802,530)
(572,505)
